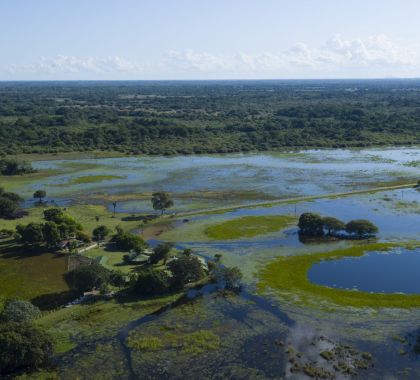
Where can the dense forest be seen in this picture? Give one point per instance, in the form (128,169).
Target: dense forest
(206,116)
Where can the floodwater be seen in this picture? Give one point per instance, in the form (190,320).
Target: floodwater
(395,271)
(249,325)
(224,179)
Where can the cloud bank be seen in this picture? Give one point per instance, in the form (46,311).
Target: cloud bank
(375,56)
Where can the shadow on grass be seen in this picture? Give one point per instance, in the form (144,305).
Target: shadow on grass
(54,300)
(9,249)
(139,218)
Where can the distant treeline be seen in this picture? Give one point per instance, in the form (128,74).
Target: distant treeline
(206,117)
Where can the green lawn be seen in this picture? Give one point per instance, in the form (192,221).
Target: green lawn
(27,274)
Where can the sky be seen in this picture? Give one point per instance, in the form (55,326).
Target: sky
(208,39)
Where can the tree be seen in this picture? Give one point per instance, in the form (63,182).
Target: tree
(7,207)
(311,224)
(230,276)
(51,234)
(88,277)
(361,228)
(31,234)
(23,347)
(161,252)
(333,225)
(161,201)
(127,241)
(100,232)
(186,269)
(54,214)
(9,203)
(40,194)
(19,311)
(150,282)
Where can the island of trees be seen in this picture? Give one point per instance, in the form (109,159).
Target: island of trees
(312,225)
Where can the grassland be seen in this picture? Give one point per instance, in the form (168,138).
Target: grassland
(28,274)
(248,226)
(287,277)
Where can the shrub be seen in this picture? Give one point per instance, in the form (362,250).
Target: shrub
(19,311)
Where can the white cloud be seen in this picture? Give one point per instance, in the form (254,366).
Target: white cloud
(374,56)
(63,64)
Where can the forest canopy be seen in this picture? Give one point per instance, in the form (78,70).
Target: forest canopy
(206,116)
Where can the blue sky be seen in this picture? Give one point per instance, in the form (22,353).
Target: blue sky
(208,39)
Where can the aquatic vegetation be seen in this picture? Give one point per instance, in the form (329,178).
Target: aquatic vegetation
(145,343)
(193,343)
(287,277)
(91,179)
(248,226)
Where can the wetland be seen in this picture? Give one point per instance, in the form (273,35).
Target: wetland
(318,309)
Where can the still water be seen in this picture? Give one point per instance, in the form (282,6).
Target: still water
(395,271)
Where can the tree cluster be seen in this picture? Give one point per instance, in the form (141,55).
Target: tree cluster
(58,226)
(14,167)
(314,225)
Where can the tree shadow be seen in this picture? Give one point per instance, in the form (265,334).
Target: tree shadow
(139,218)
(54,300)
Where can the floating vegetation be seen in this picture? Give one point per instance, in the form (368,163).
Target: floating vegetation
(91,179)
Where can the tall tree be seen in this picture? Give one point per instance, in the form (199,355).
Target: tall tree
(161,201)
(40,194)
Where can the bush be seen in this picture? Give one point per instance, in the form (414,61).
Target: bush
(230,276)
(19,311)
(23,347)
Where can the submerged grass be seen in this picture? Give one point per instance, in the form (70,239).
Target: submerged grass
(287,276)
(248,226)
(192,343)
(91,179)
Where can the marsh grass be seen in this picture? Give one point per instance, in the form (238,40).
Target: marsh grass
(192,343)
(248,226)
